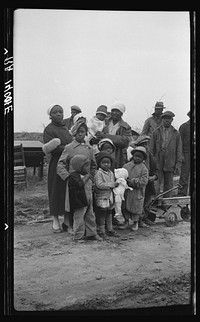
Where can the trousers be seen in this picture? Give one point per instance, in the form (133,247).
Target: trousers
(84,222)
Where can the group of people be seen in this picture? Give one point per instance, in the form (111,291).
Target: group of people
(84,156)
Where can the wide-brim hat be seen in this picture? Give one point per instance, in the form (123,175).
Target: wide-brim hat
(102,109)
(159,105)
(105,140)
(142,139)
(167,114)
(140,149)
(76,108)
(104,154)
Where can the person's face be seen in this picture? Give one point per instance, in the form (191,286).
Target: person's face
(116,115)
(80,135)
(145,145)
(167,120)
(74,112)
(105,164)
(101,116)
(85,168)
(107,147)
(138,157)
(57,114)
(158,111)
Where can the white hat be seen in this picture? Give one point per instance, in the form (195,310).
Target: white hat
(118,106)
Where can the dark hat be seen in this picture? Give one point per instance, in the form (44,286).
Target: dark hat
(76,108)
(167,114)
(188,114)
(159,105)
(140,149)
(142,139)
(102,109)
(104,154)
(78,161)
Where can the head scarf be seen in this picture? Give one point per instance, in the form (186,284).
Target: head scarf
(50,109)
(76,126)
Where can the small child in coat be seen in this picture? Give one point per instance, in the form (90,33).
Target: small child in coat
(137,179)
(103,191)
(80,198)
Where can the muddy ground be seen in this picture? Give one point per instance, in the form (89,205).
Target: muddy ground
(139,271)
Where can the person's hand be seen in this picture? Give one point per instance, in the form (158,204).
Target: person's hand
(152,178)
(99,135)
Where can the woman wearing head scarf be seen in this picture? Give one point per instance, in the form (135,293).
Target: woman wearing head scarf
(77,147)
(118,131)
(56,187)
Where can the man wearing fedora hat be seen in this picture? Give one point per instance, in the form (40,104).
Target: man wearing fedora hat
(69,122)
(166,147)
(184,130)
(154,121)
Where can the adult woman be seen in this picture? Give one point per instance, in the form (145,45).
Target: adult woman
(118,131)
(56,186)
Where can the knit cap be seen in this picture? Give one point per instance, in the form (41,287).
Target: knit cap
(104,154)
(78,161)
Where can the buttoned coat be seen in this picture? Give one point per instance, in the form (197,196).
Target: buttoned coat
(134,199)
(170,157)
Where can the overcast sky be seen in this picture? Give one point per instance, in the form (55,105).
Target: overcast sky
(88,58)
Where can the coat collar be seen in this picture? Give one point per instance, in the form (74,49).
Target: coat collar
(122,123)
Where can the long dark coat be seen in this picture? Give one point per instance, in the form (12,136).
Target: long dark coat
(56,186)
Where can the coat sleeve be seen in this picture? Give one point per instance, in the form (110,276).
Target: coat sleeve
(63,164)
(146,127)
(48,135)
(141,181)
(120,140)
(152,144)
(100,183)
(179,151)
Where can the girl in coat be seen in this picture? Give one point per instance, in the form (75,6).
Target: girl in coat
(56,186)
(77,146)
(103,191)
(137,179)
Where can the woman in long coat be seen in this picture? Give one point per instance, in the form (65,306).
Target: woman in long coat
(56,186)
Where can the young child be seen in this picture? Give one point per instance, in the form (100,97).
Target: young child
(77,146)
(108,146)
(80,198)
(103,191)
(95,124)
(137,179)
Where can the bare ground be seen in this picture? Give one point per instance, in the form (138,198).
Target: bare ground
(149,268)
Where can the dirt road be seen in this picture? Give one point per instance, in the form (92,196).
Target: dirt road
(147,268)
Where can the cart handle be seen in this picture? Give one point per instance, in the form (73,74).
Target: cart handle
(174,188)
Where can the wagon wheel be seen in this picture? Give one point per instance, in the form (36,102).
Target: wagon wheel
(185,213)
(170,219)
